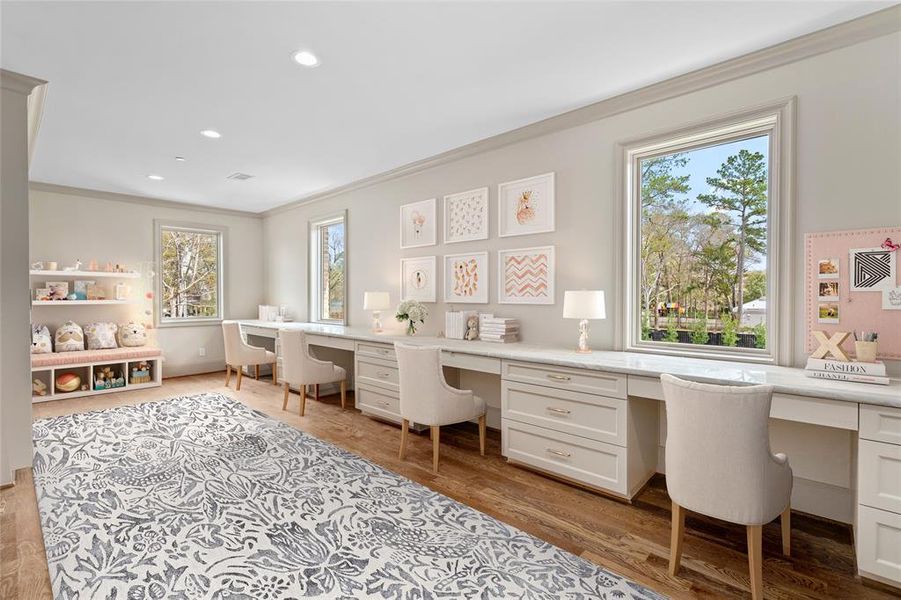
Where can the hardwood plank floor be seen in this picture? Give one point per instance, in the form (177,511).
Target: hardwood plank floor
(632,540)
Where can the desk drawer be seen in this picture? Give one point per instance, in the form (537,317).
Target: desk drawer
(329,342)
(586,415)
(588,461)
(385,351)
(880,423)
(266,332)
(382,373)
(580,380)
(378,402)
(461,360)
(879,475)
(879,543)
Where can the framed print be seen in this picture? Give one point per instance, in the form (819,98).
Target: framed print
(526,276)
(526,206)
(466,216)
(466,278)
(828,268)
(827,290)
(827,312)
(418,225)
(418,279)
(872,269)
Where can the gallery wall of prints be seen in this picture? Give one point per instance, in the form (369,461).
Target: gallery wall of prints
(852,285)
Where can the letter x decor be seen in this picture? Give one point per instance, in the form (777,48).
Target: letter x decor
(830,345)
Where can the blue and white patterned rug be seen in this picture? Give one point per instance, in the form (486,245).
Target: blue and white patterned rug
(202,497)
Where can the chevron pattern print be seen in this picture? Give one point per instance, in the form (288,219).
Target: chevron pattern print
(528,276)
(872,269)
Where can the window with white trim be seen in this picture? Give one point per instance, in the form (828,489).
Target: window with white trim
(190,274)
(328,269)
(704,222)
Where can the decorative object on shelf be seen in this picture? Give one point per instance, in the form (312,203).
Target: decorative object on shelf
(96,292)
(858,371)
(413,312)
(455,323)
(101,335)
(81,288)
(526,206)
(865,346)
(466,278)
(74,267)
(122,291)
(38,388)
(466,216)
(68,382)
(92,266)
(831,345)
(69,337)
(418,224)
(872,269)
(418,279)
(132,334)
(51,265)
(37,265)
(41,343)
(376,302)
(584,305)
(472,328)
(105,379)
(891,299)
(72,296)
(43,294)
(58,289)
(140,373)
(828,268)
(828,312)
(498,329)
(109,267)
(526,276)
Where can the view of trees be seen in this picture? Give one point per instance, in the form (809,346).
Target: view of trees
(332,285)
(703,254)
(189,273)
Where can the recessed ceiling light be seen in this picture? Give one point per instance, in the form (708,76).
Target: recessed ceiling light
(180,158)
(305,58)
(156,177)
(211,133)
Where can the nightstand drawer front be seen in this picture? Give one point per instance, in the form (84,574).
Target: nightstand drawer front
(879,543)
(382,373)
(880,423)
(580,380)
(385,351)
(378,402)
(586,415)
(879,468)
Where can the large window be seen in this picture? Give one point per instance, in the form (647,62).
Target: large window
(703,219)
(190,274)
(328,269)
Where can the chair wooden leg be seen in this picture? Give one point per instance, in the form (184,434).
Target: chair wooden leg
(786,521)
(317,392)
(755,560)
(256,371)
(228,374)
(676,535)
(344,395)
(240,370)
(275,373)
(303,399)
(436,434)
(482,433)
(404,427)
(285,401)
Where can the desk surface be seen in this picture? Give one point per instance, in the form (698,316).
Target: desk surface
(785,380)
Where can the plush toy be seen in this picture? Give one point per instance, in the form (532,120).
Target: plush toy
(68,382)
(472,328)
(100,336)
(132,334)
(40,339)
(69,337)
(38,388)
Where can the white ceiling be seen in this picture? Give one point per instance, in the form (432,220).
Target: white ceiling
(132,83)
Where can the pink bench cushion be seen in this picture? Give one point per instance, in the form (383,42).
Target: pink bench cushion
(87,356)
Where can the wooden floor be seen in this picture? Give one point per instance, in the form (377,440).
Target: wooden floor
(632,540)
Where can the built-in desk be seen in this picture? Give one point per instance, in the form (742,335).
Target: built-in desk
(597,420)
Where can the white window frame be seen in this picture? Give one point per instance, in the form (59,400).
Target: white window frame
(776,120)
(222,233)
(315,266)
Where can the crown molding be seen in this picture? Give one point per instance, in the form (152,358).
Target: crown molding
(19,83)
(159,202)
(874,25)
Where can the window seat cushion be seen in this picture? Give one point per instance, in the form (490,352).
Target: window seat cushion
(55,359)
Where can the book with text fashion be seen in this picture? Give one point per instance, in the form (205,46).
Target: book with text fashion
(849,367)
(848,377)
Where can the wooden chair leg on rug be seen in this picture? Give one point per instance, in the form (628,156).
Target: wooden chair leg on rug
(228,374)
(303,399)
(676,535)
(275,373)
(786,522)
(240,370)
(285,401)
(344,395)
(755,560)
(404,427)
(482,434)
(436,435)
(256,371)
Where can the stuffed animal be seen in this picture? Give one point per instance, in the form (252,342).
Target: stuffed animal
(132,334)
(69,337)
(68,382)
(100,336)
(472,328)
(40,339)
(38,388)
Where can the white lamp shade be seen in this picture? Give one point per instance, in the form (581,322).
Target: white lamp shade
(376,301)
(584,304)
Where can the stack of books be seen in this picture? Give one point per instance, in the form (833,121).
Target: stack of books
(455,323)
(498,329)
(863,372)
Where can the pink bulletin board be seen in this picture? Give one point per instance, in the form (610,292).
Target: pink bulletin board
(858,310)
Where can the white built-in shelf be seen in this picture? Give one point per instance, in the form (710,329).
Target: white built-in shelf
(86,274)
(77,302)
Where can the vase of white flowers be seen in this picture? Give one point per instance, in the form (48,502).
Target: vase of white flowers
(411,311)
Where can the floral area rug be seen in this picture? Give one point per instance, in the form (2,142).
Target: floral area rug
(202,497)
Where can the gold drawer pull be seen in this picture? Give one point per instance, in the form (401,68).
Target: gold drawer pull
(562,453)
(561,411)
(558,377)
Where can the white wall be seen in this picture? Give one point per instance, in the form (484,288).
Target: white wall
(70,226)
(847,177)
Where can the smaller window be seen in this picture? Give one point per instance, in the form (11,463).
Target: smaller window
(190,278)
(328,269)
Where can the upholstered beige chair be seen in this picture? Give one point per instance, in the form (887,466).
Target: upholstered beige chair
(719,464)
(300,369)
(427,399)
(239,353)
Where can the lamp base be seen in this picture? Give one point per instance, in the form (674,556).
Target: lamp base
(583,348)
(377,322)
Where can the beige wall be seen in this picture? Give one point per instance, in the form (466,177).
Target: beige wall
(847,177)
(66,227)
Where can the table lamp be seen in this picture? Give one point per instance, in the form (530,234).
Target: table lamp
(584,305)
(376,302)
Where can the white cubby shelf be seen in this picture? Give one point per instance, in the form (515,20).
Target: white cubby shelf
(48,374)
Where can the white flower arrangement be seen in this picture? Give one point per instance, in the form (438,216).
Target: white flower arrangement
(413,312)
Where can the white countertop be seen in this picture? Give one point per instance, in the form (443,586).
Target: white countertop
(785,380)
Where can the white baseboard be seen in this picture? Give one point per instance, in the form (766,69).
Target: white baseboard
(193,368)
